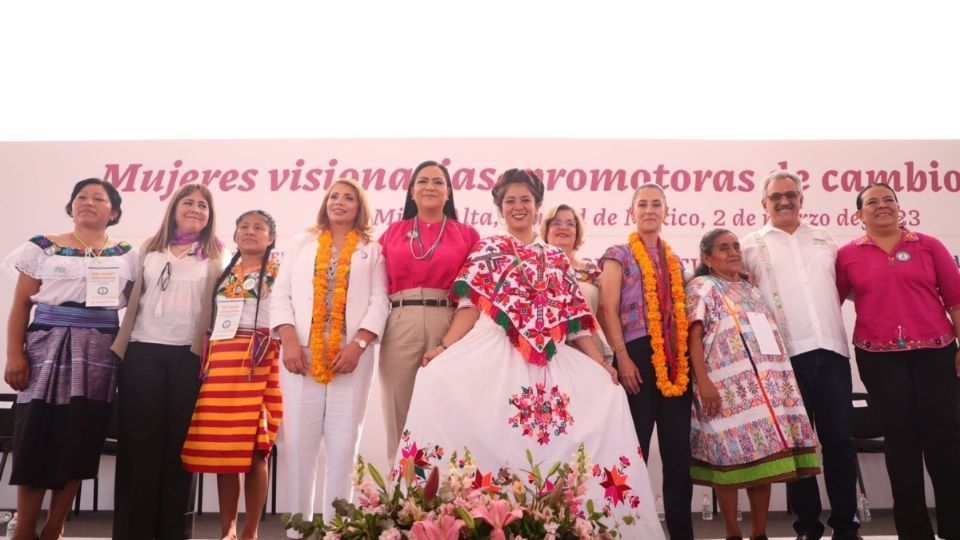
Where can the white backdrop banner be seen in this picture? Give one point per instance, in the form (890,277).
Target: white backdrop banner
(708,184)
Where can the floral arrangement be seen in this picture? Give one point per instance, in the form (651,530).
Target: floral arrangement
(326,350)
(420,503)
(680,371)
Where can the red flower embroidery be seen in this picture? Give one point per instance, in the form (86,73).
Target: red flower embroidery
(615,486)
(541,414)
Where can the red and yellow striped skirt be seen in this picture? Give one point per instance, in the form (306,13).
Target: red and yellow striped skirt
(238,410)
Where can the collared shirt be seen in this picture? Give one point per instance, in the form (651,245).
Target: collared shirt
(901,297)
(796,274)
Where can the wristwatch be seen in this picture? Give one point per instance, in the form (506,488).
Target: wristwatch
(362,343)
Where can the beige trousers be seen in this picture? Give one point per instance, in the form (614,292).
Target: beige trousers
(411,331)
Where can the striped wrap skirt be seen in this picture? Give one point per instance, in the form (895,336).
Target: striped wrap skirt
(239,408)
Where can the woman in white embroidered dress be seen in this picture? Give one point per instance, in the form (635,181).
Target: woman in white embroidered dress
(518,370)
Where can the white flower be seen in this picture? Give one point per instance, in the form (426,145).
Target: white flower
(391,534)
(331,536)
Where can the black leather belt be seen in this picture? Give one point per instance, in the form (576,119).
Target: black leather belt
(427,302)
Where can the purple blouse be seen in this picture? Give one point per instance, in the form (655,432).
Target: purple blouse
(633,311)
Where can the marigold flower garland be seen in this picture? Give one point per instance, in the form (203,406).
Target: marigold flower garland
(681,380)
(324,351)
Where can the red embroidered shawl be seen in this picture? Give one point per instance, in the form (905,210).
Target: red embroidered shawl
(531,292)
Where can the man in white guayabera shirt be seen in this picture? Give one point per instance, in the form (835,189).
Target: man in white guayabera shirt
(793,265)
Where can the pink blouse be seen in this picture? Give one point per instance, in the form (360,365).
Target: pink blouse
(902,297)
(438,271)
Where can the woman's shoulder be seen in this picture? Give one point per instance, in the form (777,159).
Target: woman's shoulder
(701,284)
(616,252)
(399,227)
(495,241)
(464,229)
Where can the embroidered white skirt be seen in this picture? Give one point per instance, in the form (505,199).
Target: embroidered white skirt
(481,394)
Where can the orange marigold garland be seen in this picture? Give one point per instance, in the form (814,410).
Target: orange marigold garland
(324,351)
(681,380)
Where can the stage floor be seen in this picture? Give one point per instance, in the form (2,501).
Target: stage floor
(96,525)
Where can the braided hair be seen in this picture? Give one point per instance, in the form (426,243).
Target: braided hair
(272,225)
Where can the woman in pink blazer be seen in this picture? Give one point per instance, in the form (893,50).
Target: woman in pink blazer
(329,306)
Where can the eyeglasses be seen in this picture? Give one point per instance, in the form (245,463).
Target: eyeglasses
(164,279)
(572,223)
(789,195)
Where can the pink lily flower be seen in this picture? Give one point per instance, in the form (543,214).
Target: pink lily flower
(445,528)
(498,514)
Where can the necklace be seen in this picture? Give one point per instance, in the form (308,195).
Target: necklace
(89,250)
(415,235)
(541,267)
(325,347)
(679,373)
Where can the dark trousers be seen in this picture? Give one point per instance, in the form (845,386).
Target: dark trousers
(825,384)
(672,418)
(916,395)
(154,495)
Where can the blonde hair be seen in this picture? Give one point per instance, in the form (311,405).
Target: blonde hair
(361,223)
(552,213)
(208,236)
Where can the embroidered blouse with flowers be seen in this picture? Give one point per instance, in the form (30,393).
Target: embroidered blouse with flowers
(901,297)
(530,291)
(633,317)
(62,270)
(242,283)
(405,271)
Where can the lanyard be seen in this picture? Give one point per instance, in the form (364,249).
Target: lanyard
(89,251)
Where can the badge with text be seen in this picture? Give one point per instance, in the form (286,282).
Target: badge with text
(103,286)
(229,311)
(764,333)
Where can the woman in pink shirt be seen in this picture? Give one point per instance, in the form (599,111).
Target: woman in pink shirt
(904,285)
(424,251)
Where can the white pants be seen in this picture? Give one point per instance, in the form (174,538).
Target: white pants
(331,414)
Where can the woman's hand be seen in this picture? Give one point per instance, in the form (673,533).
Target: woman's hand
(294,359)
(431,354)
(347,359)
(709,399)
(629,374)
(612,371)
(17,372)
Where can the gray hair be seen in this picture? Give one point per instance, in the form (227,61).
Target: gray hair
(782,173)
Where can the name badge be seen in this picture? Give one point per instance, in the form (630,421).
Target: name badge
(764,333)
(229,311)
(103,286)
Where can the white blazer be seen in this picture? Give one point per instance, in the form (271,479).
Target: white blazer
(292,294)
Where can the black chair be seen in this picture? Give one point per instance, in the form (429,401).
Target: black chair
(6,428)
(109,449)
(866,434)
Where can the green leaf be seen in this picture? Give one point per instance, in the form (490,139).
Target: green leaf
(466,517)
(628,519)
(377,478)
(529,457)
(554,469)
(590,509)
